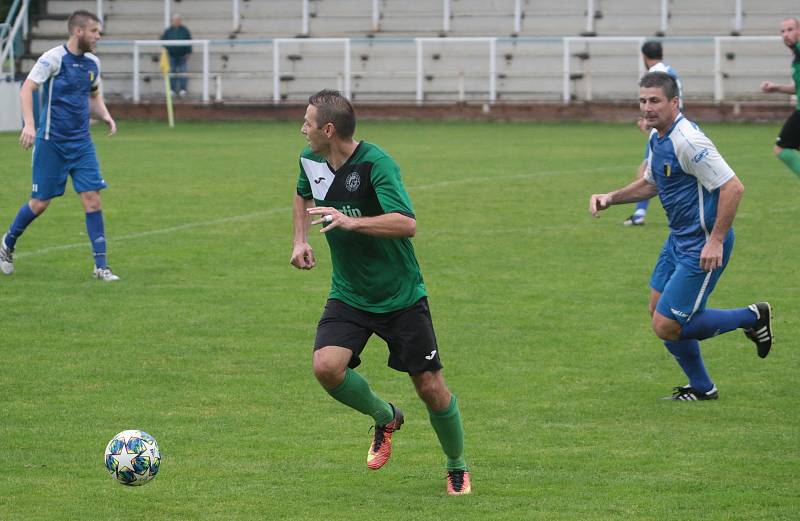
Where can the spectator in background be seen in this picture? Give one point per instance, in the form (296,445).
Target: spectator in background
(178,54)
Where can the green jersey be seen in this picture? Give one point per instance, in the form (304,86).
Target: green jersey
(373,274)
(796,72)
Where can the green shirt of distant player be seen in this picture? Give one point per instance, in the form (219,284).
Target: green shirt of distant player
(373,274)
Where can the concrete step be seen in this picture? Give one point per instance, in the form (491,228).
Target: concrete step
(67,7)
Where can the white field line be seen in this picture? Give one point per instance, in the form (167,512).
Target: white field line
(171,229)
(287,210)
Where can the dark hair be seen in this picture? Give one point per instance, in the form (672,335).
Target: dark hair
(653,50)
(334,108)
(660,79)
(80,19)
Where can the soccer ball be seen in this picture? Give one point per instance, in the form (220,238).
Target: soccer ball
(132,457)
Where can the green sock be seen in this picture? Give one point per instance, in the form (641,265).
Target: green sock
(791,158)
(354,392)
(448,427)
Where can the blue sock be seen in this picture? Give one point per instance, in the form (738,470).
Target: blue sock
(713,322)
(97,234)
(687,353)
(25,217)
(641,207)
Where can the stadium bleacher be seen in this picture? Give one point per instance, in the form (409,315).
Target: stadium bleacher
(529,52)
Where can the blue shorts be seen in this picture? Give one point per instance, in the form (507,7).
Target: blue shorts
(53,161)
(683,285)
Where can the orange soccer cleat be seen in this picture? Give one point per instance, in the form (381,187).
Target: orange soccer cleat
(381,447)
(458,483)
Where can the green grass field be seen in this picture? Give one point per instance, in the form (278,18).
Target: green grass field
(540,311)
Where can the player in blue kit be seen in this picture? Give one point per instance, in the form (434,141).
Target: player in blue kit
(700,194)
(653,56)
(70,79)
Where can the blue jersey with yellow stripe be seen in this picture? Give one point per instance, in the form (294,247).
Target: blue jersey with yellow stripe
(688,171)
(66,81)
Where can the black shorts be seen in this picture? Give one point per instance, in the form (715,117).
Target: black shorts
(408,333)
(790,133)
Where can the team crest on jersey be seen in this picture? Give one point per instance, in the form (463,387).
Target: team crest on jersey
(352,182)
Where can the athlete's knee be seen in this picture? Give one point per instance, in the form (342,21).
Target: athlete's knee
(38,206)
(666,329)
(432,390)
(777,150)
(91,201)
(328,370)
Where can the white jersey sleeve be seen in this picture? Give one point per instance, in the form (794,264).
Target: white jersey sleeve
(648,171)
(47,65)
(699,157)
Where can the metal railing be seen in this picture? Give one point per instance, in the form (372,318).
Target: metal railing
(138,44)
(516,16)
(19,14)
(491,69)
(276,59)
(235,12)
(342,70)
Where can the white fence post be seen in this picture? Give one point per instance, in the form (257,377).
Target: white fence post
(205,71)
(136,97)
(737,17)
(446,16)
(492,70)
(419,71)
(664,16)
(99,10)
(305,29)
(566,95)
(376,15)
(276,73)
(237,17)
(167,13)
(347,71)
(517,16)
(590,8)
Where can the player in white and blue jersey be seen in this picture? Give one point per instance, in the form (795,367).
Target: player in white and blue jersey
(700,194)
(69,76)
(653,56)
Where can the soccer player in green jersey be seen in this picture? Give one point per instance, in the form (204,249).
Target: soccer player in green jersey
(354,189)
(788,141)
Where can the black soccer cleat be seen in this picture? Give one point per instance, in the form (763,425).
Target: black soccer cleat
(761,334)
(686,393)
